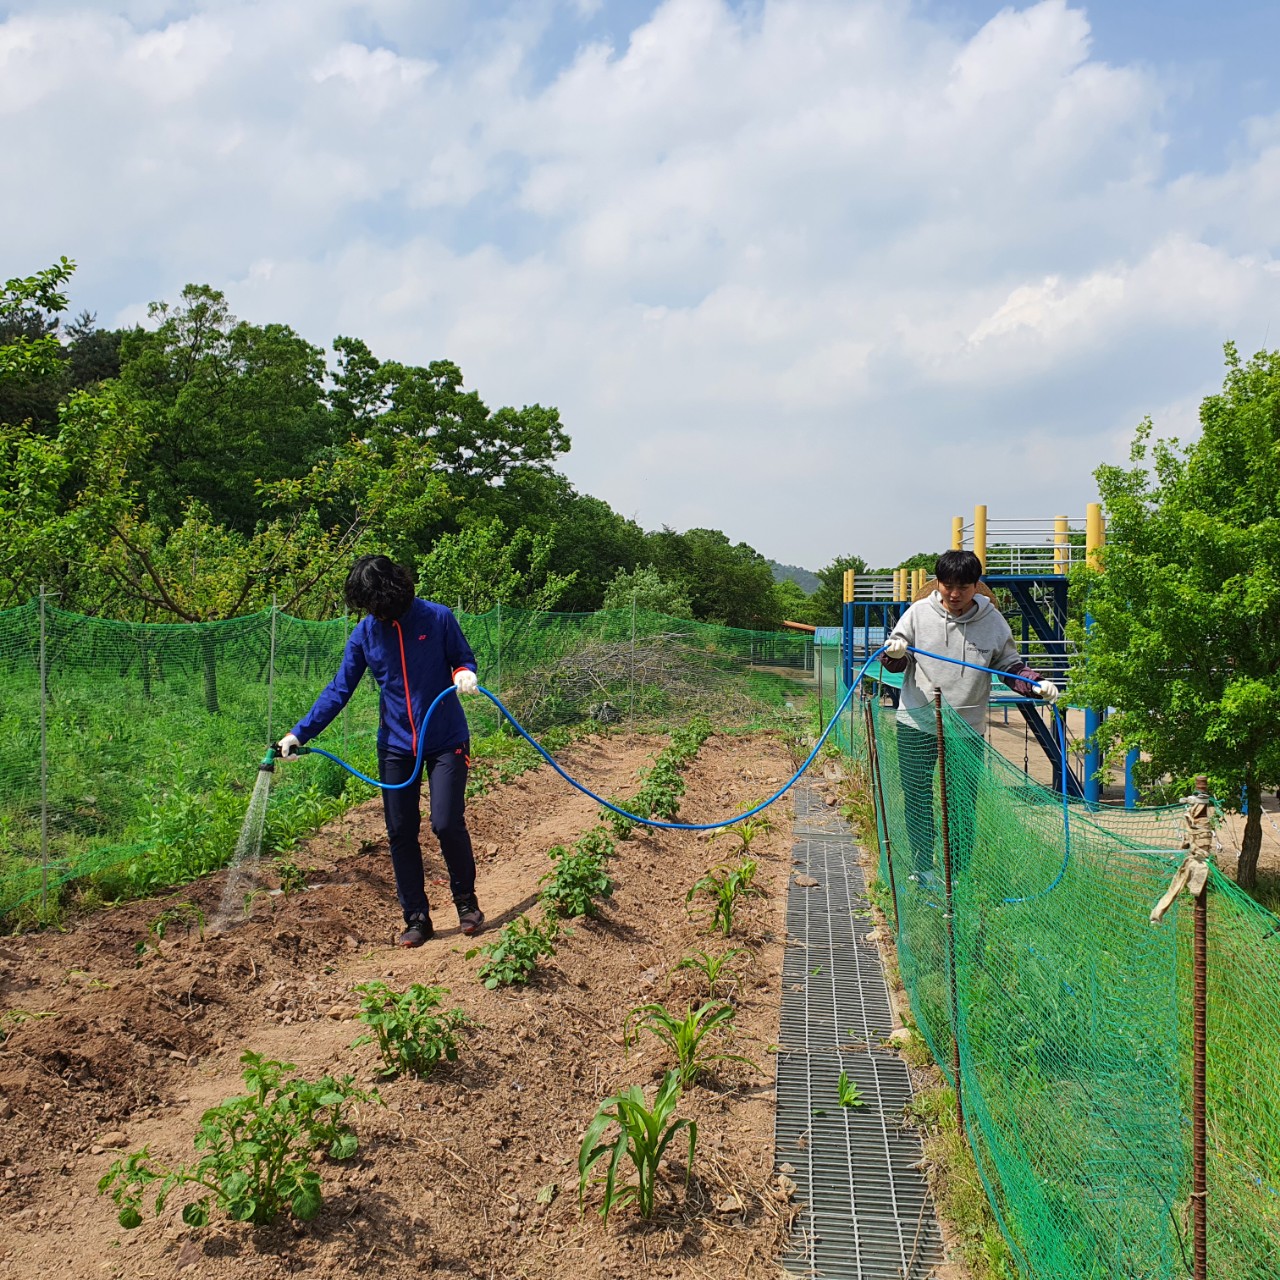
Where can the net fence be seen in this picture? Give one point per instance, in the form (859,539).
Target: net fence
(1072,1015)
(128,751)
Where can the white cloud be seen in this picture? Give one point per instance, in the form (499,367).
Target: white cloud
(817,272)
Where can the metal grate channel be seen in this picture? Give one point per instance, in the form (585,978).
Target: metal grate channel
(868,1213)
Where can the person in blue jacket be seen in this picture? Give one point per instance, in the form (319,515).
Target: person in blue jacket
(415,650)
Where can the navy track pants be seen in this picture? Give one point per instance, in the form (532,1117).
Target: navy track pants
(446,774)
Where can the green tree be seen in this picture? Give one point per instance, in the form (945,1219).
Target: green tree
(793,604)
(728,583)
(224,404)
(1186,610)
(484,565)
(645,588)
(826,605)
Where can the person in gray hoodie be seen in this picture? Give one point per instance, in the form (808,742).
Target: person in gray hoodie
(956,622)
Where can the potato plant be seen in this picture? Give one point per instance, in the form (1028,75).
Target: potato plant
(258,1150)
(513,956)
(579,876)
(411,1035)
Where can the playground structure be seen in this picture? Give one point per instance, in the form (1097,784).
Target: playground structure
(1029,561)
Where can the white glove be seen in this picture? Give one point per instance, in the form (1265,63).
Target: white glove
(1048,691)
(289,745)
(896,647)
(465,681)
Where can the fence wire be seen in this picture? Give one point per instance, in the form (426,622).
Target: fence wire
(128,751)
(1073,1014)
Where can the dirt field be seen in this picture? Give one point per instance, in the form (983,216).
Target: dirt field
(471,1173)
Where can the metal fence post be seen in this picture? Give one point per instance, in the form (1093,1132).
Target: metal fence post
(950,912)
(271,673)
(632,718)
(1199,1184)
(44,762)
(882,814)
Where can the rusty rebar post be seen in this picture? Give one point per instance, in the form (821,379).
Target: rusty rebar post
(877,802)
(949,914)
(1199,1183)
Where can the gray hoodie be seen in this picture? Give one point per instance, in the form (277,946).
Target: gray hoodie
(980,635)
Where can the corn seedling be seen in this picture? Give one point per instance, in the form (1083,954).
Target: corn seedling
(684,1036)
(253,897)
(848,1093)
(259,1151)
(713,968)
(746,831)
(643,1135)
(725,885)
(11,1019)
(186,914)
(513,956)
(411,1035)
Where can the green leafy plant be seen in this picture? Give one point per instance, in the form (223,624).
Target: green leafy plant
(848,1093)
(725,886)
(253,897)
(619,823)
(292,877)
(684,1036)
(643,1136)
(579,876)
(259,1150)
(411,1035)
(746,831)
(513,955)
(186,914)
(713,968)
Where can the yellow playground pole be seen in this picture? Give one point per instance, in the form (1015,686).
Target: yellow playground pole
(848,586)
(1095,535)
(898,592)
(1061,545)
(957,533)
(980,534)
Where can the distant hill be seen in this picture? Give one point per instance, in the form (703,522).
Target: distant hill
(807,581)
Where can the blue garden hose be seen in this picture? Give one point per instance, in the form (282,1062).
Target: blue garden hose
(698,826)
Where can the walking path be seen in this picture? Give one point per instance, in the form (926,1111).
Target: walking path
(868,1214)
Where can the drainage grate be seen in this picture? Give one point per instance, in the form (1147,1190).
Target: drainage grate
(868,1213)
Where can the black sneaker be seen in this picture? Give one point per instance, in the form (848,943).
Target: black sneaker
(470,917)
(417,932)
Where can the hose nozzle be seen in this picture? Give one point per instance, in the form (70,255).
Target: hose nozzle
(268,762)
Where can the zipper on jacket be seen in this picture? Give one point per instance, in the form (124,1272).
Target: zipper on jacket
(404,671)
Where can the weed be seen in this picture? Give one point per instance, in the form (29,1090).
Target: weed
(410,1034)
(684,1036)
(258,1150)
(713,968)
(848,1093)
(643,1135)
(186,914)
(725,885)
(513,955)
(11,1019)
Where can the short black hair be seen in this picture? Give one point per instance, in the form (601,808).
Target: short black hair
(958,568)
(379,586)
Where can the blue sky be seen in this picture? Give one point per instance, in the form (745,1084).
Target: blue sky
(819,273)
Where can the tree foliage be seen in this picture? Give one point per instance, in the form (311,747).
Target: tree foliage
(646,589)
(1186,612)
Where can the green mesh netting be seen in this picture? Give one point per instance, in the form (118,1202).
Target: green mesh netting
(128,751)
(1072,1012)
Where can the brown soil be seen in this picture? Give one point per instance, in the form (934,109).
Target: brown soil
(125,1053)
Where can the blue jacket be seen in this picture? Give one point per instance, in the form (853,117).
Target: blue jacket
(420,651)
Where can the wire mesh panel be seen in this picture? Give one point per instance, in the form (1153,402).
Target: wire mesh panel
(868,1214)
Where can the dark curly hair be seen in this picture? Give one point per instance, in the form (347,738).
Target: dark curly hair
(379,586)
